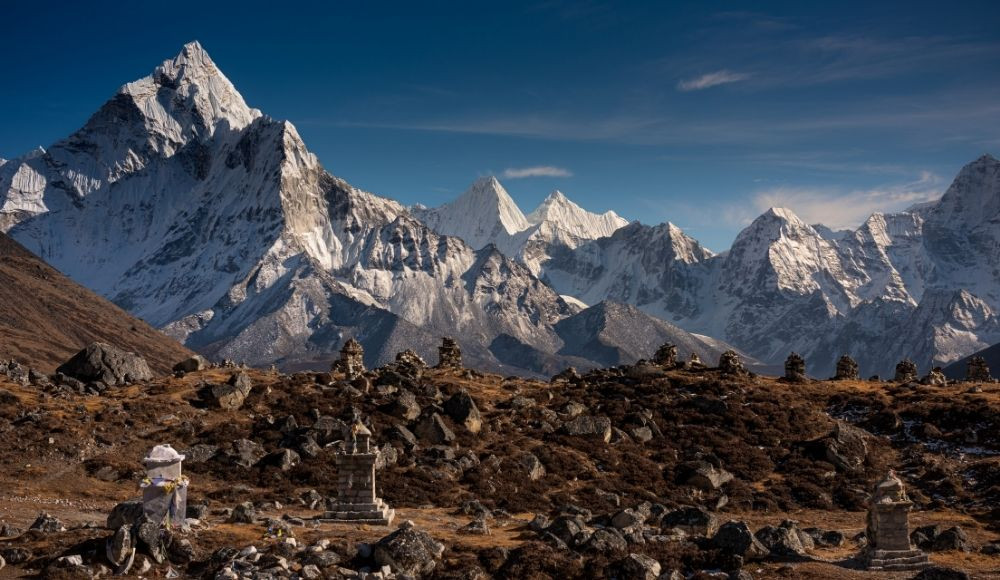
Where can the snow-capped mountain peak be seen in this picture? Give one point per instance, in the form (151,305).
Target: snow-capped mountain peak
(485,214)
(559,211)
(188,96)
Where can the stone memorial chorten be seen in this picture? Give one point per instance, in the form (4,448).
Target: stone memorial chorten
(888,531)
(356,499)
(164,489)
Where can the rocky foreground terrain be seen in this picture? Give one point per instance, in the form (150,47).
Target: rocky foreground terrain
(640,471)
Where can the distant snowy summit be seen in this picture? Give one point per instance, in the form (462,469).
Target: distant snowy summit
(486,214)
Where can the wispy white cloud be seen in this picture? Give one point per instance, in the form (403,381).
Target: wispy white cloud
(712,79)
(537,171)
(840,209)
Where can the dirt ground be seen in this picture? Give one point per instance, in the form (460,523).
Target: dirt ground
(76,457)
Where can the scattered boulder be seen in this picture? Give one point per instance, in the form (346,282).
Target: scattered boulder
(826,538)
(846,447)
(244,453)
(639,567)
(532,466)
(283,459)
(231,395)
(408,550)
(735,538)
(628,518)
(462,409)
(101,362)
(404,406)
(47,523)
(477,527)
(935,377)
(244,513)
(433,430)
(783,542)
(586,426)
(605,541)
(695,521)
(192,364)
(953,538)
(703,475)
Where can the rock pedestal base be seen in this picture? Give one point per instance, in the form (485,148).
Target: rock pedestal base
(378,513)
(896,560)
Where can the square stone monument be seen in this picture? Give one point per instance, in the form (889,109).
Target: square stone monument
(888,530)
(164,489)
(356,499)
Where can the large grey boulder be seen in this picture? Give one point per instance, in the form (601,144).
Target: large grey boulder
(703,475)
(462,409)
(433,430)
(693,520)
(592,427)
(639,567)
(735,538)
(192,364)
(408,551)
(783,542)
(231,395)
(107,364)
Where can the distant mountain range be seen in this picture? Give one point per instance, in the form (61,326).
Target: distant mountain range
(213,222)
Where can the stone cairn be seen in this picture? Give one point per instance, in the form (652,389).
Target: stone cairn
(935,377)
(351,361)
(888,529)
(731,364)
(906,371)
(164,489)
(356,499)
(449,355)
(795,368)
(694,362)
(410,358)
(666,356)
(977,370)
(847,369)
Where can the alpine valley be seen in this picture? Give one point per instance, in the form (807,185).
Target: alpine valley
(212,221)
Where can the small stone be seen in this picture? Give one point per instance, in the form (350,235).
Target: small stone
(244,513)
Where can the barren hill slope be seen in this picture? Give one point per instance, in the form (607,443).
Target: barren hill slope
(45,317)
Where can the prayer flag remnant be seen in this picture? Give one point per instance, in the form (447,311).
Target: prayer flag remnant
(164,489)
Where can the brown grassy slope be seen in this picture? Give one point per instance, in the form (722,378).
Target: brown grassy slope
(45,317)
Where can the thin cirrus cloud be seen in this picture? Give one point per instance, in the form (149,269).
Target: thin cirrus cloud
(712,79)
(842,210)
(537,171)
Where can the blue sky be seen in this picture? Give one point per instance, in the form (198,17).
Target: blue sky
(700,113)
